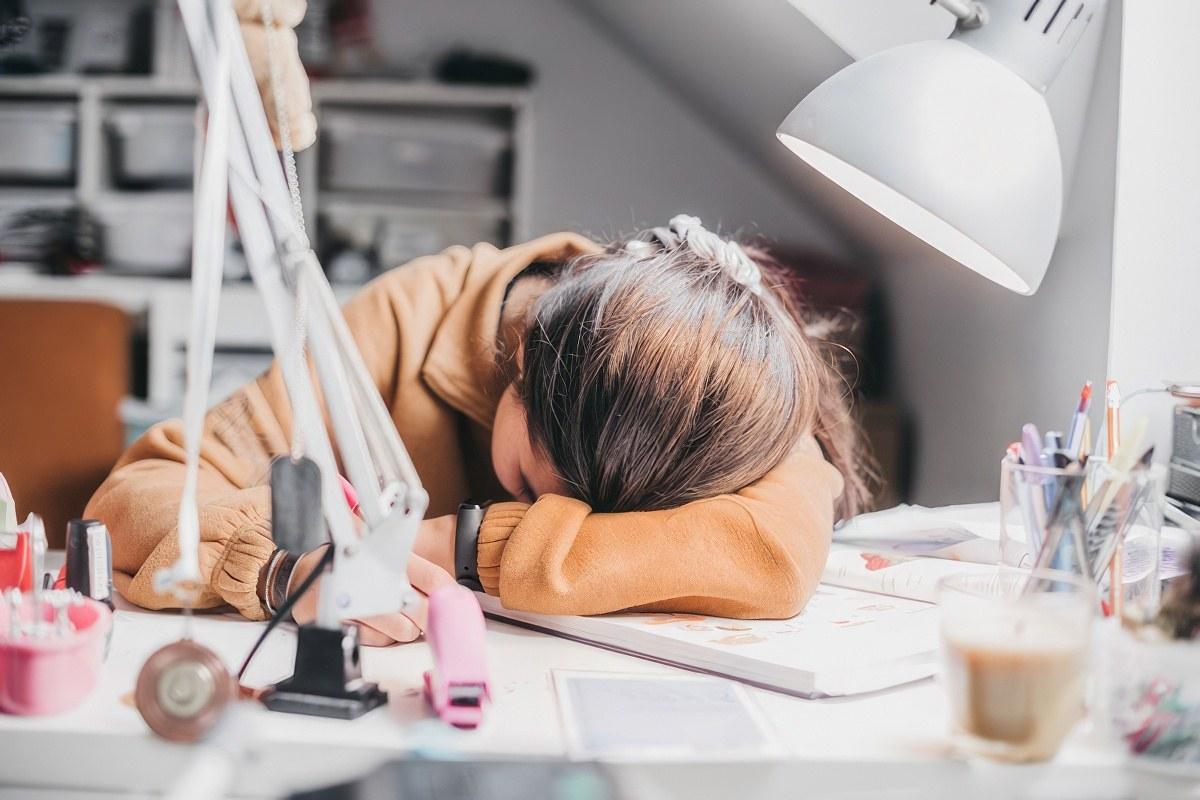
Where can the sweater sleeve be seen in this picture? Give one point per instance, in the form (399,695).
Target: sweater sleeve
(140,505)
(139,502)
(755,554)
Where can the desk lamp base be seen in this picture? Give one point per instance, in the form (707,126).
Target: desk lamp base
(328,679)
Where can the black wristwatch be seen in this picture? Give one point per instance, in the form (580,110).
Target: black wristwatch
(466,545)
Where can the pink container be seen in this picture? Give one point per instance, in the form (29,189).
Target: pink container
(53,674)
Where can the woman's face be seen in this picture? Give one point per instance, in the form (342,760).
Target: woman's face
(523,472)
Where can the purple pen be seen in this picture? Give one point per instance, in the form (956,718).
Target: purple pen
(1034,455)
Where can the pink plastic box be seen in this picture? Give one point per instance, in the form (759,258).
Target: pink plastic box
(52,674)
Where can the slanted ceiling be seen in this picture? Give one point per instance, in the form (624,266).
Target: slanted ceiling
(744,64)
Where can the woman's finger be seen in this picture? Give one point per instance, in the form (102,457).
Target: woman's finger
(426,576)
(384,629)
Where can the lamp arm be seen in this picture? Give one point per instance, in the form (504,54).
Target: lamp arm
(969,13)
(368,575)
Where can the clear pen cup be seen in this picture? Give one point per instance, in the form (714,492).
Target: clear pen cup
(1085,520)
(1014,652)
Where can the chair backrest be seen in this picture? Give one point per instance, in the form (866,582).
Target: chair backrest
(64,368)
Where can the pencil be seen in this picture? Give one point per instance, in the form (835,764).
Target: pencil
(1085,452)
(1112,402)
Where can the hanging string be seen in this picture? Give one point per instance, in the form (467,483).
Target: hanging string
(283,126)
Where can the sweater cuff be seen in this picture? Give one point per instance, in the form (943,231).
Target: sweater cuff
(236,572)
(499,521)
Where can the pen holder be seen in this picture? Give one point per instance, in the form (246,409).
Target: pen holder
(1029,498)
(1082,521)
(1137,508)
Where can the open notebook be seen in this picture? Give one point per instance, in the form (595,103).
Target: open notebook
(844,642)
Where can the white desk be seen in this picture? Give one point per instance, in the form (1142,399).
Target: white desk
(836,748)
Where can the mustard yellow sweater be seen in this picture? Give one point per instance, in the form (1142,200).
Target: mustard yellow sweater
(427,332)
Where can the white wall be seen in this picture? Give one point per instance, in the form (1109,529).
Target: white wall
(615,148)
(1155,331)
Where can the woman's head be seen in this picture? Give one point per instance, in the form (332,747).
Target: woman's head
(665,371)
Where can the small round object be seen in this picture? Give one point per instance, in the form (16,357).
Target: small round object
(182,690)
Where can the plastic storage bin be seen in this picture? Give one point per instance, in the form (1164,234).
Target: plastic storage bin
(37,143)
(374,151)
(148,237)
(398,235)
(151,146)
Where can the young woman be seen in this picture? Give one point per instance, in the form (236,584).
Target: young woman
(657,429)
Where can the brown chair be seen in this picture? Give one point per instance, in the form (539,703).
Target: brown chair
(64,367)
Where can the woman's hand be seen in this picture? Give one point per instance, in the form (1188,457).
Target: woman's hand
(406,626)
(430,566)
(435,541)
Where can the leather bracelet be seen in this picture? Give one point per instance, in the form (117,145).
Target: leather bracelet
(466,545)
(263,589)
(279,582)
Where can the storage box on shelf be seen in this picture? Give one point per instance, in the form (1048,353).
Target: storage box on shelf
(38,142)
(150,145)
(401,169)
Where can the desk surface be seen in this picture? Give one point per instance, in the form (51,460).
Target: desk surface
(844,747)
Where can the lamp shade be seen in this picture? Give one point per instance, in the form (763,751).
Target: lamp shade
(947,143)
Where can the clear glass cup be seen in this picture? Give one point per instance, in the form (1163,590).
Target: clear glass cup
(1107,512)
(1027,494)
(1014,651)
(1137,508)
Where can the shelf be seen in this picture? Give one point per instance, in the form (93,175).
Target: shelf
(384,202)
(385,92)
(36,195)
(133,86)
(16,280)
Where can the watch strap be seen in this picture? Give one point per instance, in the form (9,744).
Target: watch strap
(466,545)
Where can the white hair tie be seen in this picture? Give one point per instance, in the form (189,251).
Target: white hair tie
(685,228)
(728,254)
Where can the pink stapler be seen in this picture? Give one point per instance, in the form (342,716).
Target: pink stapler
(457,686)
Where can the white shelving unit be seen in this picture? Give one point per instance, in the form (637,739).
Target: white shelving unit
(427,217)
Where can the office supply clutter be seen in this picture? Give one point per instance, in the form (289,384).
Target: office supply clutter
(1151,685)
(1085,514)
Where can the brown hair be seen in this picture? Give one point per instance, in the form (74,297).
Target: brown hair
(653,375)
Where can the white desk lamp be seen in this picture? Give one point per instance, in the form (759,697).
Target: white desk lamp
(183,688)
(952,140)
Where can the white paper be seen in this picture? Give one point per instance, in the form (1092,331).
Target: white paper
(622,716)
(843,642)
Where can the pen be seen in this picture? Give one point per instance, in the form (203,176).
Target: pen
(1031,446)
(1112,403)
(1022,489)
(1076,432)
